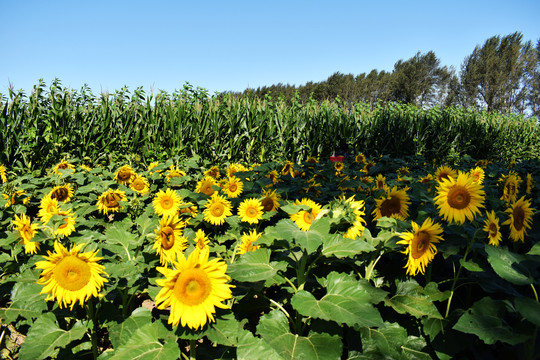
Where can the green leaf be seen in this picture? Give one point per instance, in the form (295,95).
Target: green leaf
(529,308)
(117,234)
(45,338)
(535,250)
(225,331)
(309,240)
(506,265)
(255,266)
(121,333)
(346,301)
(470,265)
(485,320)
(340,247)
(411,299)
(250,347)
(274,330)
(26,301)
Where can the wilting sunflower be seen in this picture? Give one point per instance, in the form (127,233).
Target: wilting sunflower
(510,187)
(459,198)
(68,224)
(360,158)
(174,172)
(167,203)
(64,165)
(270,200)
(27,231)
(217,208)
(110,200)
(47,208)
(125,175)
(492,228)
(250,210)
(205,186)
(304,218)
(394,203)
(233,187)
(247,241)
(445,172)
(213,172)
(477,174)
(140,184)
(170,242)
(193,289)
(520,218)
(71,276)
(357,208)
(420,245)
(62,193)
(3,174)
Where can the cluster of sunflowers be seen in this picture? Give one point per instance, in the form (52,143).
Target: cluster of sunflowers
(205,201)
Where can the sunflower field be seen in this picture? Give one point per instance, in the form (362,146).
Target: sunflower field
(371,257)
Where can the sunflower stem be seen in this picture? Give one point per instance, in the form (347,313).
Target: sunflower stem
(192,350)
(535,293)
(91,312)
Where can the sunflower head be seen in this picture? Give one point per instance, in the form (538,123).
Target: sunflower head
(232,187)
(477,174)
(47,208)
(304,218)
(170,242)
(27,230)
(445,172)
(360,158)
(3,174)
(167,203)
(63,165)
(125,175)
(250,210)
(270,200)
(110,200)
(510,187)
(520,217)
(205,186)
(213,172)
(394,203)
(247,241)
(62,193)
(140,184)
(174,172)
(217,209)
(492,228)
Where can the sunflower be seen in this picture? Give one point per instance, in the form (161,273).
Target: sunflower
(3,174)
(288,169)
(510,187)
(170,242)
(250,210)
(166,203)
(193,289)
(24,226)
(369,165)
(213,172)
(274,176)
(63,165)
(483,163)
(201,240)
(174,172)
(304,218)
(339,166)
(68,224)
(152,166)
(357,209)
(205,186)
(520,218)
(404,170)
(47,208)
(477,174)
(62,193)
(217,209)
(234,168)
(360,158)
(124,175)
(110,200)
(188,208)
(10,200)
(394,203)
(445,172)
(459,198)
(71,276)
(140,184)
(312,160)
(233,187)
(426,179)
(420,245)
(491,227)
(270,200)
(85,167)
(380,182)
(247,242)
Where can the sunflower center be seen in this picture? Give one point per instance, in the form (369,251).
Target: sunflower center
(420,244)
(391,206)
(138,185)
(192,287)
(124,175)
(519,218)
(458,197)
(72,273)
(217,210)
(60,194)
(207,190)
(251,212)
(492,230)
(111,201)
(27,232)
(167,237)
(476,176)
(233,187)
(166,203)
(267,203)
(308,217)
(510,189)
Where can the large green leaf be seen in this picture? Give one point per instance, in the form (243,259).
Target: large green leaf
(413,299)
(309,240)
(485,320)
(121,333)
(340,247)
(45,338)
(255,266)
(506,265)
(117,234)
(26,301)
(346,301)
(274,330)
(225,331)
(250,347)
(529,308)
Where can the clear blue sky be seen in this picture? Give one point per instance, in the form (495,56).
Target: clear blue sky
(232,45)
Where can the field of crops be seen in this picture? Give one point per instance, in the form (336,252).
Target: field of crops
(367,258)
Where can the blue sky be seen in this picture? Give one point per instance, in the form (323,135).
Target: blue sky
(232,45)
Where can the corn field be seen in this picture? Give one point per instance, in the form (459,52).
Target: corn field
(58,122)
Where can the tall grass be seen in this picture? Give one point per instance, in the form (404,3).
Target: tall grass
(48,124)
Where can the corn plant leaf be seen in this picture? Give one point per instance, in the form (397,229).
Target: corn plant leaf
(346,302)
(413,299)
(45,338)
(255,266)
(485,320)
(506,265)
(340,247)
(274,330)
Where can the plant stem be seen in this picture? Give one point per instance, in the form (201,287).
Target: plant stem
(192,350)
(91,313)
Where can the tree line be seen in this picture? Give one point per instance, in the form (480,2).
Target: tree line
(503,75)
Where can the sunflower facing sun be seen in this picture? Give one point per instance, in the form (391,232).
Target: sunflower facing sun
(110,200)
(304,218)
(521,214)
(170,242)
(167,203)
(217,209)
(250,210)
(492,228)
(394,203)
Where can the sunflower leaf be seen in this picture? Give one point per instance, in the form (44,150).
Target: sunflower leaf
(251,347)
(506,265)
(346,301)
(413,299)
(255,266)
(340,247)
(26,300)
(274,330)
